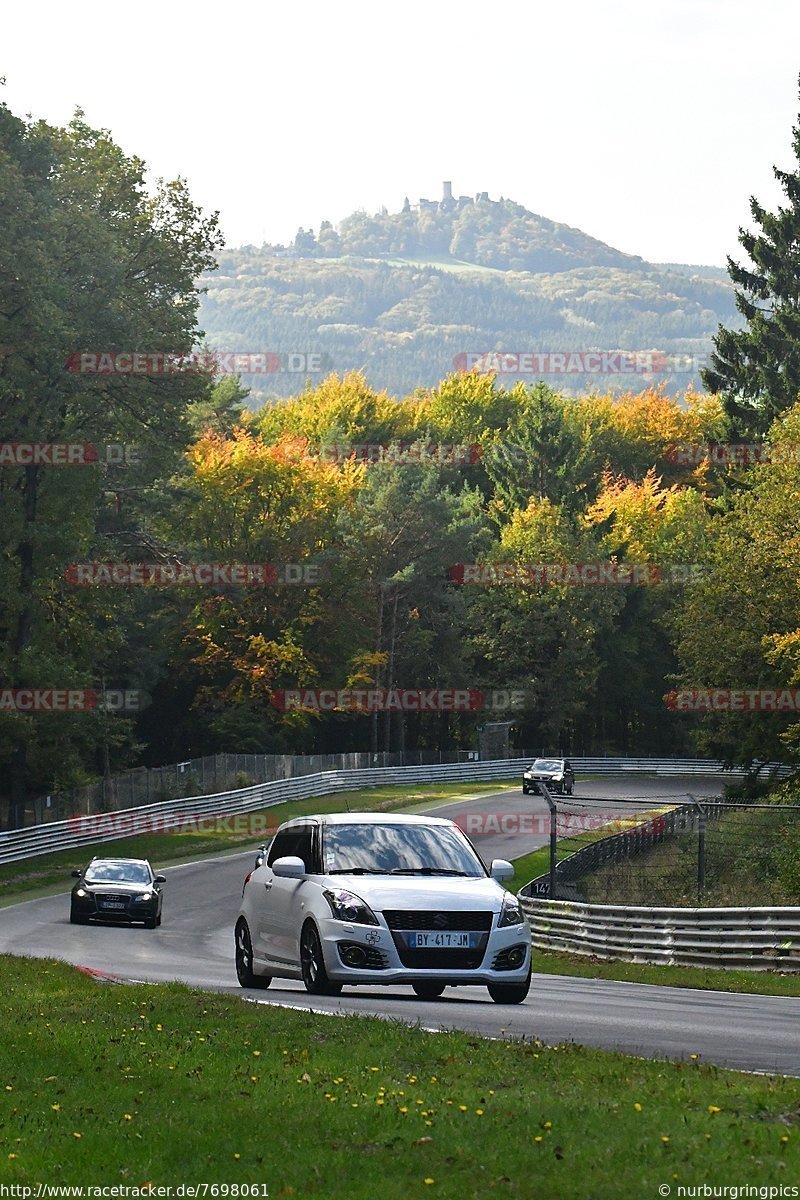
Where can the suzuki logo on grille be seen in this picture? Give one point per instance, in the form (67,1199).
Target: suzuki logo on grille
(440,921)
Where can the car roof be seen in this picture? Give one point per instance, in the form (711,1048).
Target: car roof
(353,818)
(139,862)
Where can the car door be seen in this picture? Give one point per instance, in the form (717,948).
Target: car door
(284,908)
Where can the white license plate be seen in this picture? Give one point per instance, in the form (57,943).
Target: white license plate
(112,904)
(442,940)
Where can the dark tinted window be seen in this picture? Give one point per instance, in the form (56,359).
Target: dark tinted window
(297,842)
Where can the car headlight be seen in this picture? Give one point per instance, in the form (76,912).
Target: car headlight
(145,896)
(81,892)
(510,913)
(345,906)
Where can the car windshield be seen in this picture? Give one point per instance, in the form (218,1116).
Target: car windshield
(117,873)
(386,849)
(547,764)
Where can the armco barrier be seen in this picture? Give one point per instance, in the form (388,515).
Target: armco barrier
(760,939)
(70,834)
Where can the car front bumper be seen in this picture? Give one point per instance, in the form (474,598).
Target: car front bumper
(380,946)
(91,908)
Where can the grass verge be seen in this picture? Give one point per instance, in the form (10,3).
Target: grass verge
(764,983)
(48,871)
(156,1086)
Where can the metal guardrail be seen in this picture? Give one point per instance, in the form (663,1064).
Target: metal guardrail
(84,831)
(760,939)
(105,827)
(221,772)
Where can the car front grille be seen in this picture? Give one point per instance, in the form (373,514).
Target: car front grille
(418,919)
(441,960)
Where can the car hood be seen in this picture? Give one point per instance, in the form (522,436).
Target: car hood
(128,889)
(442,893)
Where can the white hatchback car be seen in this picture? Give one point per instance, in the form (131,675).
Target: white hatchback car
(360,898)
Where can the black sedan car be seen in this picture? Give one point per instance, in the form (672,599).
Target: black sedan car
(555,773)
(117,889)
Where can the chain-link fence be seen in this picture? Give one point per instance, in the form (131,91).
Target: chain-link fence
(717,855)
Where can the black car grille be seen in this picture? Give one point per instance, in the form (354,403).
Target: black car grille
(100,897)
(441,960)
(416,919)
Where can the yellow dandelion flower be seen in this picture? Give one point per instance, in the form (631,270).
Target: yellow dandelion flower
(712,1108)
(256,1054)
(638,1106)
(379,1101)
(56,1107)
(127,1117)
(429,1180)
(403,1110)
(12,1155)
(462,1108)
(537,1138)
(237,1156)
(374,1068)
(784,1139)
(665,1140)
(547,1125)
(77,1135)
(478,1112)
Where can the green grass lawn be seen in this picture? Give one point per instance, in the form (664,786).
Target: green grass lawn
(135,1085)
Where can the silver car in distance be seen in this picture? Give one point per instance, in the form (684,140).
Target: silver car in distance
(360,898)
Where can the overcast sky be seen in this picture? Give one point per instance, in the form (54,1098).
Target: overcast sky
(647,123)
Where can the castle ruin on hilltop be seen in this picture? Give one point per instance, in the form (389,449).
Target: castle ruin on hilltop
(448,202)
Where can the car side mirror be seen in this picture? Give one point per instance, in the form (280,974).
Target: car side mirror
(159,879)
(76,874)
(289,867)
(501,869)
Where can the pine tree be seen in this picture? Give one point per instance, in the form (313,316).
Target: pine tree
(756,370)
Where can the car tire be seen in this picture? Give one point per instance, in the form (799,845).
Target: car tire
(569,790)
(244,960)
(312,964)
(75,919)
(150,922)
(158,919)
(509,993)
(525,791)
(428,989)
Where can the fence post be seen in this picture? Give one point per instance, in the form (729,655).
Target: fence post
(701,846)
(551,804)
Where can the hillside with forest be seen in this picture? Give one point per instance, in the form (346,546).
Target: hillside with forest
(405,296)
